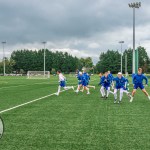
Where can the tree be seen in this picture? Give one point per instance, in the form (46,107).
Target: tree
(86,62)
(109,61)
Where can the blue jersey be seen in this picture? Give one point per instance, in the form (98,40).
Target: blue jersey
(126,84)
(120,82)
(138,79)
(105,81)
(85,79)
(79,77)
(111,77)
(133,74)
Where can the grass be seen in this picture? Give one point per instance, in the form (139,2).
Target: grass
(71,121)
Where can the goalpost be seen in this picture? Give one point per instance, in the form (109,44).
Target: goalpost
(38,75)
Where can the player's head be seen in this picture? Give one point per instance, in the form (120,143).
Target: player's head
(106,74)
(100,74)
(80,73)
(140,71)
(84,71)
(119,74)
(58,72)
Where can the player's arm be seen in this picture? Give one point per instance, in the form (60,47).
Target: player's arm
(101,81)
(146,80)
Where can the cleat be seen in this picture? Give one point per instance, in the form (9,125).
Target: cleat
(76,91)
(115,101)
(129,95)
(88,93)
(131,99)
(57,94)
(119,102)
(94,87)
(149,97)
(72,87)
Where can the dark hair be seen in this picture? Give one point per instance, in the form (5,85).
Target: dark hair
(59,71)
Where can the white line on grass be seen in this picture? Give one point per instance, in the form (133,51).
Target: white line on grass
(31,101)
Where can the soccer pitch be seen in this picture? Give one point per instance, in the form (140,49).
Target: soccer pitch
(70,121)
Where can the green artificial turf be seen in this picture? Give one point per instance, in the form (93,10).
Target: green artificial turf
(71,121)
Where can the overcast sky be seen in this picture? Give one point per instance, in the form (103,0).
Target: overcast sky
(80,27)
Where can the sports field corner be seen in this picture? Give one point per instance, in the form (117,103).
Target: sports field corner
(70,121)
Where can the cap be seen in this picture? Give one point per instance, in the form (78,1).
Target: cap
(119,73)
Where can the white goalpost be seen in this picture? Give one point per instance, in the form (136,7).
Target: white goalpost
(38,75)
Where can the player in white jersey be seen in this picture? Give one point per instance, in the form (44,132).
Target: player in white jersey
(62,83)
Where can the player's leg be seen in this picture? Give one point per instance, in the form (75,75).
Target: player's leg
(66,87)
(115,95)
(108,91)
(58,92)
(87,89)
(112,92)
(121,95)
(91,86)
(69,87)
(146,93)
(78,88)
(136,86)
(132,96)
(102,91)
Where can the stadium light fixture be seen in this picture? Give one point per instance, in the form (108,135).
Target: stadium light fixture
(121,42)
(134,5)
(44,43)
(4,66)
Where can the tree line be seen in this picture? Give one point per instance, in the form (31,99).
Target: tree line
(111,60)
(22,61)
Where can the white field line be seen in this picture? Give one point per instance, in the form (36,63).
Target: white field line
(31,101)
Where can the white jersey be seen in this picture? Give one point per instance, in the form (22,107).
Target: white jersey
(61,77)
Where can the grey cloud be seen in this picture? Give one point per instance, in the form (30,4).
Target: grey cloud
(73,24)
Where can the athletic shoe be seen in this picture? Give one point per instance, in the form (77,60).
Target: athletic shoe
(129,95)
(149,97)
(115,101)
(57,94)
(94,87)
(131,99)
(88,93)
(72,87)
(119,102)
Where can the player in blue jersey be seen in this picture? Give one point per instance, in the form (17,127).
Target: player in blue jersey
(120,85)
(138,83)
(111,78)
(79,77)
(105,82)
(89,78)
(85,79)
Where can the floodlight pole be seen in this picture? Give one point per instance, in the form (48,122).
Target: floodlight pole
(121,42)
(44,56)
(4,66)
(126,63)
(134,5)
